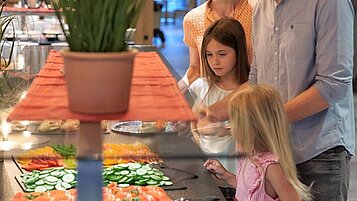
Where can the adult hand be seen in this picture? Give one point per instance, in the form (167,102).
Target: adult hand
(182,128)
(205,118)
(209,125)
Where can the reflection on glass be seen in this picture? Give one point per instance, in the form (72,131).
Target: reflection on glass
(25,123)
(26,134)
(27,146)
(5,129)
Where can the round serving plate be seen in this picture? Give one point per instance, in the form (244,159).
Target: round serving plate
(141,128)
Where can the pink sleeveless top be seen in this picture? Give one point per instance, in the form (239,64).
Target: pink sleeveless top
(251,178)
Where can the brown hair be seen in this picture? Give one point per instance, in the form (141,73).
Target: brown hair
(229,32)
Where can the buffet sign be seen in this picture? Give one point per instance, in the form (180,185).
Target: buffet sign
(154,94)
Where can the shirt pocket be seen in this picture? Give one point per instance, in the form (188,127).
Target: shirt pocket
(300,40)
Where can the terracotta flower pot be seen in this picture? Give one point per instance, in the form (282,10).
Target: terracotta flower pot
(98,83)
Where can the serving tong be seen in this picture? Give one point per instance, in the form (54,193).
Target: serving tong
(162,165)
(212,128)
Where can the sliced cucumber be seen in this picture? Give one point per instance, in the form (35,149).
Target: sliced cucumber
(68,178)
(165,178)
(147,167)
(66,185)
(45,171)
(155,177)
(59,187)
(158,173)
(127,181)
(31,186)
(123,185)
(42,176)
(109,172)
(50,183)
(40,189)
(69,171)
(31,180)
(124,172)
(141,171)
(140,182)
(152,182)
(56,173)
(124,165)
(167,183)
(51,179)
(40,182)
(134,166)
(122,180)
(29,190)
(146,176)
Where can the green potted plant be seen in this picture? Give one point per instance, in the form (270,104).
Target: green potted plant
(98,64)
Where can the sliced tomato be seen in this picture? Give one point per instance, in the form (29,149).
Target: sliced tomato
(42,198)
(56,192)
(60,197)
(32,166)
(20,197)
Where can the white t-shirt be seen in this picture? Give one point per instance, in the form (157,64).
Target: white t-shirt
(213,144)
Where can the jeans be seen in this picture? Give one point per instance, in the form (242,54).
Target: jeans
(328,173)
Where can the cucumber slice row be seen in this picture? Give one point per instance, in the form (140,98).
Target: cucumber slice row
(135,174)
(55,178)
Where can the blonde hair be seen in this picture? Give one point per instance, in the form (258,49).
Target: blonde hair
(259,123)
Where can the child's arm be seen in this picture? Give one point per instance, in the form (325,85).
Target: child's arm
(277,185)
(215,167)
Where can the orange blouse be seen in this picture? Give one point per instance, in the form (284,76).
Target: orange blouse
(198,19)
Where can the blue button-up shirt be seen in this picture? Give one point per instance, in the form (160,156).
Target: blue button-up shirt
(302,43)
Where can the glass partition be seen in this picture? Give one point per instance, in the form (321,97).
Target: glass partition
(43,155)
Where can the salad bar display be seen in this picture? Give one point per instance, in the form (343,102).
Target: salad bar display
(123,169)
(49,172)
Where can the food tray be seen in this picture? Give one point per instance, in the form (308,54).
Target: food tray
(33,128)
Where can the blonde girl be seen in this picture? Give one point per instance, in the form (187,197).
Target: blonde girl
(260,127)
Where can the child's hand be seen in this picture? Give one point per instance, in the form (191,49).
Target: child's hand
(216,168)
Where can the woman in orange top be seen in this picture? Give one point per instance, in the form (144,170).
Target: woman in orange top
(198,19)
